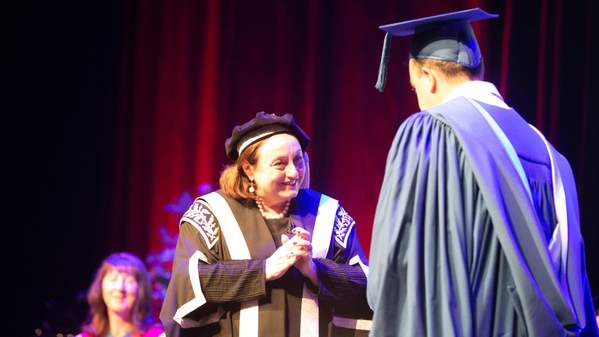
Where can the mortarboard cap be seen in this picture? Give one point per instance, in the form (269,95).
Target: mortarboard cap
(446,37)
(263,126)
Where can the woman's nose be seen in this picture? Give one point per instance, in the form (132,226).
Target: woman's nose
(120,283)
(291,171)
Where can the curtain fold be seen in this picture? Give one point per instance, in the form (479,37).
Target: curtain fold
(192,70)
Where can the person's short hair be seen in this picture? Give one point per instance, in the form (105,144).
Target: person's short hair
(452,69)
(97,324)
(233,180)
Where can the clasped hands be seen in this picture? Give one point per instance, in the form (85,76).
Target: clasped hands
(295,251)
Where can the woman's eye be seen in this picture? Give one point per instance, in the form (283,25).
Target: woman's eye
(299,162)
(111,278)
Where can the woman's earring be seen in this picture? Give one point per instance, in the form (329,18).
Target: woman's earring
(252,188)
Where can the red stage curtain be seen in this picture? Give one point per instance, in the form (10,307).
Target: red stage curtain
(192,70)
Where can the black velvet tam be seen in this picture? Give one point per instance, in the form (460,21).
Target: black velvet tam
(262,126)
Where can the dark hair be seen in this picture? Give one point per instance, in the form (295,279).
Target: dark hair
(452,69)
(97,324)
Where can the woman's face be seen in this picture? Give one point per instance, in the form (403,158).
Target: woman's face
(279,170)
(119,291)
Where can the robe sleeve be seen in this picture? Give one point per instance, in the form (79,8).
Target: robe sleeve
(342,277)
(201,281)
(430,238)
(232,280)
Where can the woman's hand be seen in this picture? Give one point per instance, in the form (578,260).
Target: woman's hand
(293,250)
(305,264)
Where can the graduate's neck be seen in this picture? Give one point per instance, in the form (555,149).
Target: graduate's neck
(443,90)
(448,87)
(431,84)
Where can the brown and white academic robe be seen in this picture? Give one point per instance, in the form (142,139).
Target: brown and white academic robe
(218,286)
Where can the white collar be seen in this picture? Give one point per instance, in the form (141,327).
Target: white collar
(481,91)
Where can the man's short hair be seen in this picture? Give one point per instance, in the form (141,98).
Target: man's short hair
(452,69)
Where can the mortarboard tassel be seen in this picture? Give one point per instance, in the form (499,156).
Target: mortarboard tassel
(380,83)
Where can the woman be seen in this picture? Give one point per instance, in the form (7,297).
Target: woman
(120,300)
(262,256)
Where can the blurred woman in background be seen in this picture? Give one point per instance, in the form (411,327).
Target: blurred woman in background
(120,299)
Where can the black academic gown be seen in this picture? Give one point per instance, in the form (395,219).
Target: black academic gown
(209,286)
(457,247)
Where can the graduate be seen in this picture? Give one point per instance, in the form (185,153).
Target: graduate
(476,231)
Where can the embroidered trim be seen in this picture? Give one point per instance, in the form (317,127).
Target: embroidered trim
(343,225)
(201,217)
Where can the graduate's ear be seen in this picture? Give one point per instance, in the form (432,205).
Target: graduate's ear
(423,79)
(429,79)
